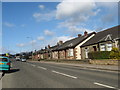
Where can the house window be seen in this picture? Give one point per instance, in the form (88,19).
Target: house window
(102,47)
(70,52)
(109,47)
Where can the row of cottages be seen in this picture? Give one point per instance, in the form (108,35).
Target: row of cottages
(79,47)
(67,50)
(71,48)
(103,41)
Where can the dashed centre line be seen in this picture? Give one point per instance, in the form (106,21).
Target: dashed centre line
(42,68)
(64,74)
(38,67)
(104,85)
(70,76)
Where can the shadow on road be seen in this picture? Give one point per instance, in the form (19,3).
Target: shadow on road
(11,71)
(8,72)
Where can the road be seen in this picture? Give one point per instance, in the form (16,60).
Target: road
(47,75)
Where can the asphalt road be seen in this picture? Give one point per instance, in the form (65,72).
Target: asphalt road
(47,75)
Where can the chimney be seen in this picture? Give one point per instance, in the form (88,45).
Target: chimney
(45,47)
(79,35)
(60,42)
(85,33)
(49,46)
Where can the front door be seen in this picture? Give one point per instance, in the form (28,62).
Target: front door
(86,52)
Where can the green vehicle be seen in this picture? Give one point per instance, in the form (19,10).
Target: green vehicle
(5,63)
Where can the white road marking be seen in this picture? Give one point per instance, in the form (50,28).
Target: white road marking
(38,66)
(42,68)
(64,74)
(104,85)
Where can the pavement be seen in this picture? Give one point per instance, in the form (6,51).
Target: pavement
(90,66)
(57,75)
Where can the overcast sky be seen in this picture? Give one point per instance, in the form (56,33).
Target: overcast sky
(34,25)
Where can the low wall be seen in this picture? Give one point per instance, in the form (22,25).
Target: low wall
(68,61)
(100,62)
(105,62)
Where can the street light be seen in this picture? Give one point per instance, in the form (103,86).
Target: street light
(32,46)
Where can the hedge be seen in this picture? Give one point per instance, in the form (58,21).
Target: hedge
(99,55)
(115,53)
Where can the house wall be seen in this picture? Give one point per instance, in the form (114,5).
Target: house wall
(117,44)
(89,49)
(41,56)
(78,49)
(45,55)
(62,54)
(98,47)
(38,56)
(35,56)
(50,55)
(69,54)
(55,55)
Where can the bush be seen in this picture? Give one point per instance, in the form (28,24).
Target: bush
(115,53)
(99,55)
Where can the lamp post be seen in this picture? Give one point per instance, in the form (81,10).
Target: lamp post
(32,46)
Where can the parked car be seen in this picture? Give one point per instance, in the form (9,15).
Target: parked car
(17,58)
(23,59)
(5,63)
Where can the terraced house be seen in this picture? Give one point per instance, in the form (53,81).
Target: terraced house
(79,47)
(71,48)
(103,41)
(55,52)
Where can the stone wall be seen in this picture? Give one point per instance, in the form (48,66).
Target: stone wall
(105,62)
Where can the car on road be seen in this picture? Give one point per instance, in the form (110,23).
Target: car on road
(23,59)
(17,58)
(5,63)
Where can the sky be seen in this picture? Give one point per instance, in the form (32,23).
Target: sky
(30,26)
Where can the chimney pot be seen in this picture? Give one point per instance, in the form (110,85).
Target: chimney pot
(85,33)
(79,35)
(49,46)
(60,42)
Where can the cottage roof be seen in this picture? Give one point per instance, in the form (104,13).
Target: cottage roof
(106,35)
(73,42)
(54,48)
(41,51)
